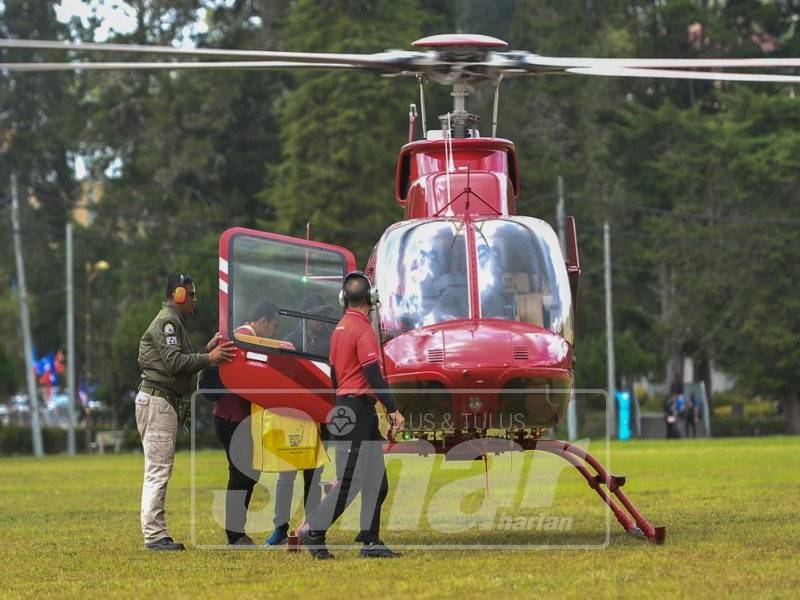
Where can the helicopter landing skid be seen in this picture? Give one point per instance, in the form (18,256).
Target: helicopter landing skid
(607,486)
(631,519)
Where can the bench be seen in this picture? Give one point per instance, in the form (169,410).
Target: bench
(109,438)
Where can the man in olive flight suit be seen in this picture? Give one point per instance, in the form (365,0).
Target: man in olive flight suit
(168,364)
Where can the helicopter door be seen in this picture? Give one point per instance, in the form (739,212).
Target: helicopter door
(300,279)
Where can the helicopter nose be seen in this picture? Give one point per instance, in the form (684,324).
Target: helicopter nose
(476,347)
(500,345)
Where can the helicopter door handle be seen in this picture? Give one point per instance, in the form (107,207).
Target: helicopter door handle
(256,356)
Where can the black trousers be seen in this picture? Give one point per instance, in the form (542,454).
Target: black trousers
(360,468)
(241,475)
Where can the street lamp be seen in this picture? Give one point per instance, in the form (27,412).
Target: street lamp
(92,272)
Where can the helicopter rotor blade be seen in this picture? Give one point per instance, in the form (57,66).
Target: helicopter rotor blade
(173,66)
(390,60)
(442,68)
(674,74)
(535,60)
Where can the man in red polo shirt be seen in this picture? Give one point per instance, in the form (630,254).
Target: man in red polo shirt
(353,425)
(229,412)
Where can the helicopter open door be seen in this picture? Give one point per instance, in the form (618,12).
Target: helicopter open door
(302,278)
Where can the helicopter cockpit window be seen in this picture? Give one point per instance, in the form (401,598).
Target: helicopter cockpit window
(422,275)
(303,282)
(521,274)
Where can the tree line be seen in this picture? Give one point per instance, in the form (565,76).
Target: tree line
(698,179)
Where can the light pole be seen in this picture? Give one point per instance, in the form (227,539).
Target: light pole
(71,358)
(36,430)
(92,271)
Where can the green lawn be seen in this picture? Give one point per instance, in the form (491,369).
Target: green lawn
(70,527)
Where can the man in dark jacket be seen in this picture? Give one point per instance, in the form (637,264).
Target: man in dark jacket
(168,364)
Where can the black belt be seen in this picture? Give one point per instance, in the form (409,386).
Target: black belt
(147,388)
(363,397)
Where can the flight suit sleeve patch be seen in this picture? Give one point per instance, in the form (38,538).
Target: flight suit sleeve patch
(171,340)
(169,329)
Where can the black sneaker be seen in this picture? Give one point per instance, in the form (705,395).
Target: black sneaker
(165,544)
(315,543)
(245,540)
(377,549)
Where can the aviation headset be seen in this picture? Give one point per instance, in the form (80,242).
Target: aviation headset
(372,293)
(179,293)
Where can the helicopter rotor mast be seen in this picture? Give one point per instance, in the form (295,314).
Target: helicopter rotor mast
(459,52)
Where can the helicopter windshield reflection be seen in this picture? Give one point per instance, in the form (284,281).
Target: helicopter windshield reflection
(521,274)
(423,275)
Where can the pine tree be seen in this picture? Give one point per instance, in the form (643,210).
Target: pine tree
(39,125)
(341,131)
(719,194)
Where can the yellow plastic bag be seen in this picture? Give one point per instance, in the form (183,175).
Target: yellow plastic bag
(283,442)
(383,419)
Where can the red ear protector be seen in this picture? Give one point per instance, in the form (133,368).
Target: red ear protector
(179,295)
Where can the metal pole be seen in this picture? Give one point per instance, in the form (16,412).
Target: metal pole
(609,326)
(496,106)
(71,358)
(36,432)
(560,216)
(572,411)
(421,81)
(87,412)
(706,411)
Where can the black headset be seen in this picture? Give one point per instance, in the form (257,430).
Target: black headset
(372,294)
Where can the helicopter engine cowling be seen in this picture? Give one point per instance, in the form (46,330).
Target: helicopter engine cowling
(448,177)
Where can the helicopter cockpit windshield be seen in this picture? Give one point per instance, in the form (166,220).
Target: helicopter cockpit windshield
(422,275)
(522,275)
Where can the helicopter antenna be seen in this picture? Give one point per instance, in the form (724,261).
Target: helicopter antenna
(496,105)
(421,80)
(412,119)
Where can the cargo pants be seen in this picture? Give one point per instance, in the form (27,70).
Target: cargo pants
(157,423)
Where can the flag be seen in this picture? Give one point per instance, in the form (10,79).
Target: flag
(45,369)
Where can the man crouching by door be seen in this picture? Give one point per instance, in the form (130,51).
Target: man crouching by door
(229,413)
(168,364)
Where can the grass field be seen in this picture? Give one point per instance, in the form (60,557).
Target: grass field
(69,527)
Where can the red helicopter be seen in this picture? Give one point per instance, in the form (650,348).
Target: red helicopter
(477,303)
